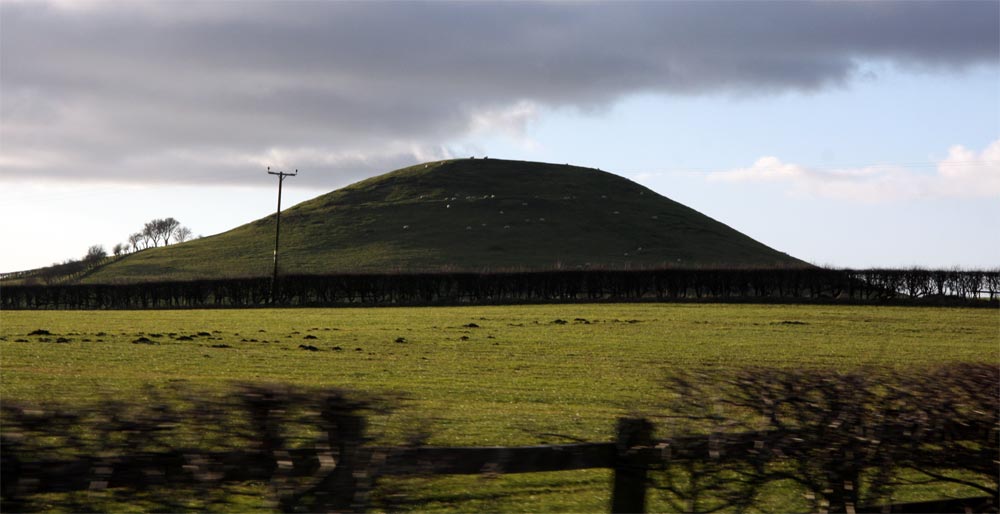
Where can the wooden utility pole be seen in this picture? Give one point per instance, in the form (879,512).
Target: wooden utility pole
(277,231)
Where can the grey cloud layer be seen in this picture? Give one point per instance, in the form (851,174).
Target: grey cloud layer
(131,91)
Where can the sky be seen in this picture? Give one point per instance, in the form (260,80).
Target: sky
(848,134)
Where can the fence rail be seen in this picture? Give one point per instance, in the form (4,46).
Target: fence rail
(501,460)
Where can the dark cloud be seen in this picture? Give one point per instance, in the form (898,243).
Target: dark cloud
(130,91)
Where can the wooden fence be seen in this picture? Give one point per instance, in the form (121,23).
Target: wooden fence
(842,437)
(67,273)
(345,472)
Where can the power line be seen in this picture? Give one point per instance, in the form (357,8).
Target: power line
(905,165)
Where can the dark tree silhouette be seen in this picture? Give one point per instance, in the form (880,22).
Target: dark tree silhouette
(182,234)
(95,253)
(166,228)
(135,240)
(150,233)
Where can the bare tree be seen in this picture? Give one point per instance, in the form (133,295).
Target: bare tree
(95,253)
(182,234)
(167,227)
(150,233)
(135,240)
(119,249)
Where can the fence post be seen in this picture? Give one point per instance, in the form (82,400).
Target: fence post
(845,477)
(344,489)
(349,492)
(11,469)
(629,493)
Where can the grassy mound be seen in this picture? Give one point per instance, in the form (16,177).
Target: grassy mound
(467,214)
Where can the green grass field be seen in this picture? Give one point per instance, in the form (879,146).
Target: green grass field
(518,376)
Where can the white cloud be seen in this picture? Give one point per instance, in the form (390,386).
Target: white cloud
(765,169)
(964,173)
(511,121)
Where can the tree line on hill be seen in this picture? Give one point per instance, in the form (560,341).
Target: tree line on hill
(152,234)
(977,287)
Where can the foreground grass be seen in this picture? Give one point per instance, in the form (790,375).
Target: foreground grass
(519,374)
(475,375)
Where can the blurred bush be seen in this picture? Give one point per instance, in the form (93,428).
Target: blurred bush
(847,438)
(177,450)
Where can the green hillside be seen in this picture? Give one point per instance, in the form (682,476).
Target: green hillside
(466,214)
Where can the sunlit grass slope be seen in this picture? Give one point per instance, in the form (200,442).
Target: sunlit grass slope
(467,214)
